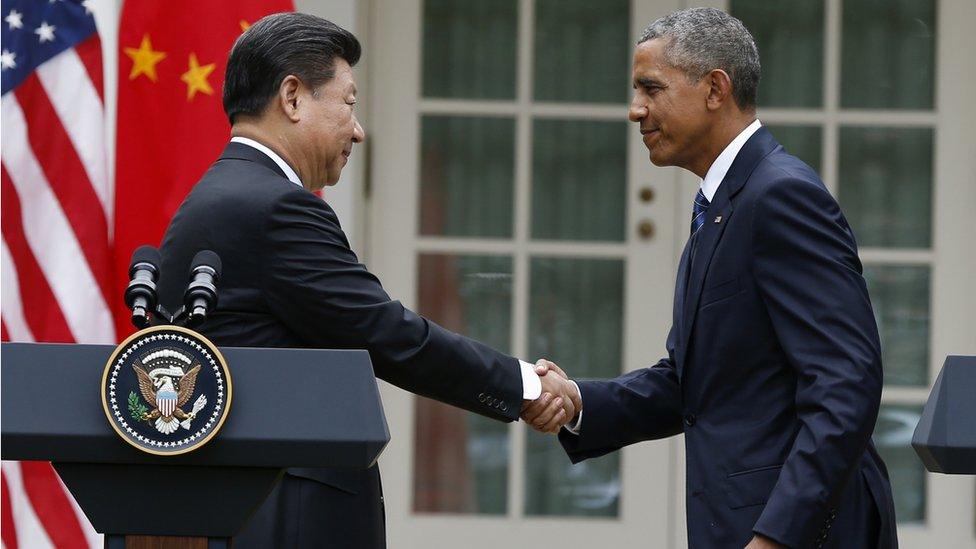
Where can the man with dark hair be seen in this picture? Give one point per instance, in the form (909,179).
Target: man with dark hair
(291,280)
(773,371)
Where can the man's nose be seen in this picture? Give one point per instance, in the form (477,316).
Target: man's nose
(638,111)
(358,134)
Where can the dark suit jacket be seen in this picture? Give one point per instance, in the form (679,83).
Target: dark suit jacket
(773,370)
(291,280)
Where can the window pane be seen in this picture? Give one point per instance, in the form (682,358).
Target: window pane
(576,319)
(803,142)
(888,54)
(582,51)
(469,48)
(900,297)
(790,35)
(461,459)
(579,180)
(886,185)
(893,437)
(467,174)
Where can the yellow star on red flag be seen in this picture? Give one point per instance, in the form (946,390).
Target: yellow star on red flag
(196,77)
(244,25)
(144,59)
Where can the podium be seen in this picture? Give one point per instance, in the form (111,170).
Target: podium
(945,437)
(292,408)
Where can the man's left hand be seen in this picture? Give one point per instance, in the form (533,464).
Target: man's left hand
(762,542)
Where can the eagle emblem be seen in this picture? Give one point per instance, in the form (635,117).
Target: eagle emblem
(166,390)
(166,381)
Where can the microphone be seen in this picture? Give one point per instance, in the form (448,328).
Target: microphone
(201,295)
(140,294)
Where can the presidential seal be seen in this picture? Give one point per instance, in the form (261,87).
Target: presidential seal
(166,390)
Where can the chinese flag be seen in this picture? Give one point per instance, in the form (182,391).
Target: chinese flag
(171,123)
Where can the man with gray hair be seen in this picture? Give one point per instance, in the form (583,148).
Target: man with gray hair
(773,370)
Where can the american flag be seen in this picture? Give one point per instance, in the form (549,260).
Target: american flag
(56,210)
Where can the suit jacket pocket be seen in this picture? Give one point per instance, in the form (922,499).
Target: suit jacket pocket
(751,487)
(720,291)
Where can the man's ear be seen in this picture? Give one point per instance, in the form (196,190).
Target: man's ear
(719,89)
(289,97)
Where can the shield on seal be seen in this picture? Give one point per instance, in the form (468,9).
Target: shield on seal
(166,401)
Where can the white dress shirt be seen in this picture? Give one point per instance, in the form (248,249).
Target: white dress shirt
(531,384)
(718,169)
(289,173)
(713,178)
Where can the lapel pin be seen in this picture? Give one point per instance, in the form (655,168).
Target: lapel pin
(718,219)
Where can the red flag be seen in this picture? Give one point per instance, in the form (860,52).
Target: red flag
(171,123)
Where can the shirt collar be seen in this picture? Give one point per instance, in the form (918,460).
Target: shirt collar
(289,173)
(716,173)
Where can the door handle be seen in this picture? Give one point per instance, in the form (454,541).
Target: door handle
(646,194)
(645,229)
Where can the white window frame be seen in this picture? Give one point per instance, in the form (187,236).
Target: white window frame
(656,521)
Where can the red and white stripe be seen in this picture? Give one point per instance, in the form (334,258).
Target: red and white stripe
(56,266)
(166,405)
(38,512)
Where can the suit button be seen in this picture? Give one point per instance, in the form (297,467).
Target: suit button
(481,397)
(504,407)
(690,420)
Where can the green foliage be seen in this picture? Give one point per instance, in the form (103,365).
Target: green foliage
(137,409)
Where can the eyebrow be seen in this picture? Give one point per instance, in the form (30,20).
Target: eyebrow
(646,82)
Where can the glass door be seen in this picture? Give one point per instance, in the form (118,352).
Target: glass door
(864,91)
(513,202)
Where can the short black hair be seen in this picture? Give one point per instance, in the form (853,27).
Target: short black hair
(278,45)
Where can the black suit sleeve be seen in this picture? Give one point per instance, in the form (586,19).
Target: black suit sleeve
(809,277)
(641,405)
(316,285)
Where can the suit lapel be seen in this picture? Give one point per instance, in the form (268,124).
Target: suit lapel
(680,289)
(716,219)
(708,238)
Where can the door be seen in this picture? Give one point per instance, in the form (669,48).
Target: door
(872,94)
(513,202)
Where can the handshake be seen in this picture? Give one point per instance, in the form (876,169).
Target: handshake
(560,402)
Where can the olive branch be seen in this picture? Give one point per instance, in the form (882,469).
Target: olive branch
(137,409)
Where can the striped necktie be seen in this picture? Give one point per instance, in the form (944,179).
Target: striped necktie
(698,212)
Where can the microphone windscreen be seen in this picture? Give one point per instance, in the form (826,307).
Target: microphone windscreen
(208,258)
(145,254)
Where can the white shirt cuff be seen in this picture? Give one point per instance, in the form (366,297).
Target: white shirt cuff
(575,428)
(531,384)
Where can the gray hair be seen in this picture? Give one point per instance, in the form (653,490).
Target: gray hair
(700,40)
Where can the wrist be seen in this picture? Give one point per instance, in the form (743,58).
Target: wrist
(576,396)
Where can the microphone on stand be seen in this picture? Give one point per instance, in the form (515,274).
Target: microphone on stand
(140,294)
(201,295)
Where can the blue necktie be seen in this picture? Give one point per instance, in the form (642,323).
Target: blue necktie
(698,212)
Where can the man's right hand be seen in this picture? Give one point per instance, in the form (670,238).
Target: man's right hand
(559,403)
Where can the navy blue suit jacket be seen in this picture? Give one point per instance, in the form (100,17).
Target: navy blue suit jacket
(291,280)
(773,370)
